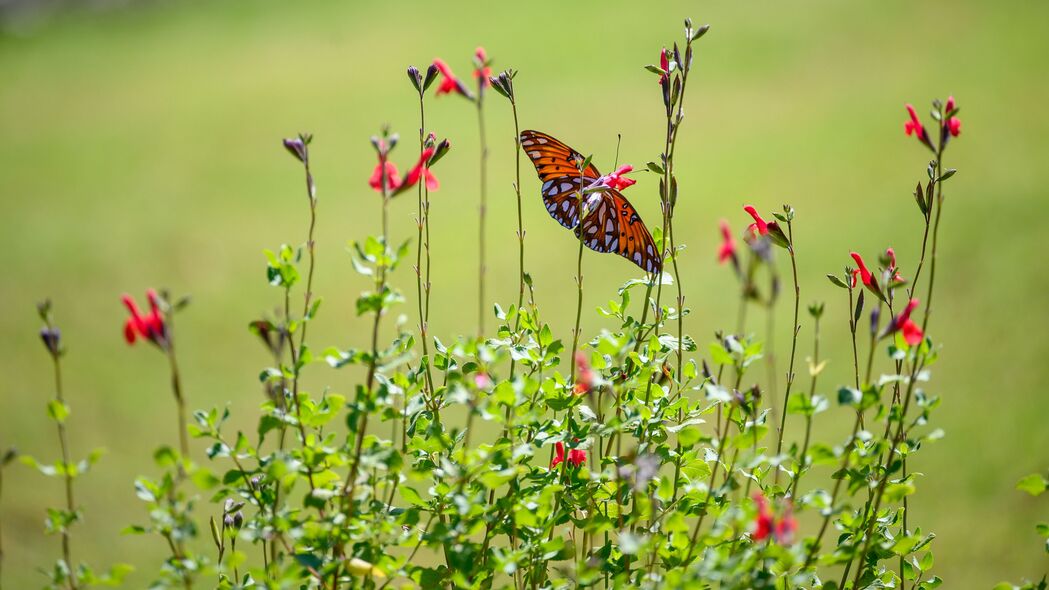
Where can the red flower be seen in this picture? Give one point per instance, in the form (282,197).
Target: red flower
(954,124)
(420,170)
(481,70)
(149,326)
(616,180)
(759,227)
(576,457)
(912,333)
(865,274)
(450,83)
(764,521)
(664,64)
(727,251)
(393,181)
(585,378)
(914,126)
(855,272)
(766,524)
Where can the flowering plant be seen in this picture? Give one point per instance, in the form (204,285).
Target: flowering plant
(633,457)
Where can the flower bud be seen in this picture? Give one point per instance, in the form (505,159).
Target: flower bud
(297,147)
(415,78)
(52,338)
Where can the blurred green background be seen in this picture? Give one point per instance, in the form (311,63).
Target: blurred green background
(139,146)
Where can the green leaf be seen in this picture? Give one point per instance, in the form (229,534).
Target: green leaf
(57,410)
(1033,484)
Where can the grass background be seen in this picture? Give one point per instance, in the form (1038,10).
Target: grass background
(140,147)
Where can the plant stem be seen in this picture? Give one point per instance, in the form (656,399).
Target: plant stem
(808,418)
(793,345)
(481,269)
(63,442)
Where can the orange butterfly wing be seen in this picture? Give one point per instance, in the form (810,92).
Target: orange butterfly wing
(615,226)
(556,165)
(612,226)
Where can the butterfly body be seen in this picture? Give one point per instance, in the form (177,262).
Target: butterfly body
(611,223)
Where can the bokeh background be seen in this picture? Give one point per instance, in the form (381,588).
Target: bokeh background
(139,146)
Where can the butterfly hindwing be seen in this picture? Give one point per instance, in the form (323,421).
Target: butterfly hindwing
(614,226)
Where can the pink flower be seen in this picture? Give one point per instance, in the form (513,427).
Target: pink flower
(392,180)
(585,378)
(664,64)
(891,254)
(912,333)
(150,326)
(576,457)
(865,274)
(727,251)
(482,380)
(950,104)
(450,83)
(481,70)
(420,170)
(759,227)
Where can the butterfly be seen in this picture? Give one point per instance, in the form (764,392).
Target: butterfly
(612,225)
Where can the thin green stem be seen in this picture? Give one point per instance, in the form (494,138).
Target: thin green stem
(794,343)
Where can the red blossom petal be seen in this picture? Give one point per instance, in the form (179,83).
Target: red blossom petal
(759,223)
(728,244)
(864,273)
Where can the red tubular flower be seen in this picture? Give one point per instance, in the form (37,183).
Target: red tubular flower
(149,326)
(616,180)
(914,126)
(449,83)
(865,274)
(576,457)
(759,227)
(727,251)
(855,273)
(664,64)
(912,333)
(481,70)
(585,378)
(764,522)
(954,124)
(420,170)
(393,180)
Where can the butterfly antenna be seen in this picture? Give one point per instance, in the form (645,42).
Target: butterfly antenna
(619,140)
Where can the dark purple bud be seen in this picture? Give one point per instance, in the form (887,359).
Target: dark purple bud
(875,319)
(431,75)
(297,148)
(415,78)
(439,152)
(9,456)
(706,371)
(52,338)
(227,521)
(238,519)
